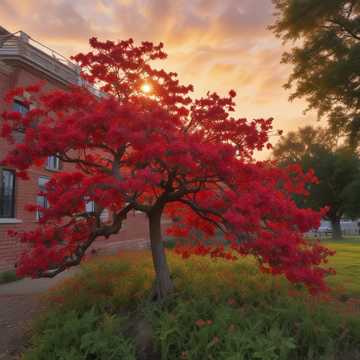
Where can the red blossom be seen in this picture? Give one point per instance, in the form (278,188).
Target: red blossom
(190,157)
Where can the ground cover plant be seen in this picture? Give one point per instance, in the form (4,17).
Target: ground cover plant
(75,336)
(158,151)
(221,310)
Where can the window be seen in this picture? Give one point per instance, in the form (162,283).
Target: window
(7,193)
(53,163)
(20,107)
(89,206)
(41,200)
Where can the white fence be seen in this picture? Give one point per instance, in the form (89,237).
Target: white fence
(348,227)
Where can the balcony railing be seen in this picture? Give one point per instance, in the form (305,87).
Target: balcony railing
(21,47)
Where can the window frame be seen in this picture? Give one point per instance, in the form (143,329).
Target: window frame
(38,213)
(13,197)
(18,105)
(58,161)
(23,107)
(90,206)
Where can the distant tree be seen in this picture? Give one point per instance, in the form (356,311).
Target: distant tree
(157,151)
(326,58)
(336,167)
(296,145)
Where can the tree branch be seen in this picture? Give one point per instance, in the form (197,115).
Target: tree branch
(75,258)
(346,28)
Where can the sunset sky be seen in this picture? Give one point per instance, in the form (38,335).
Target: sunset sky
(213,44)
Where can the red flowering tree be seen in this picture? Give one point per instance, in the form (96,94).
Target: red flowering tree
(146,145)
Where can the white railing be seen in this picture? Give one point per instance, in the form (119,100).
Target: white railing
(22,47)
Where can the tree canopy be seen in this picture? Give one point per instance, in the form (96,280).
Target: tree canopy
(157,152)
(336,167)
(304,142)
(325,57)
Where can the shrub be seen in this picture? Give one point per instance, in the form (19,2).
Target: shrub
(75,336)
(103,283)
(201,329)
(221,310)
(8,276)
(233,311)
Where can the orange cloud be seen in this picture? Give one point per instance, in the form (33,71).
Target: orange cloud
(214,44)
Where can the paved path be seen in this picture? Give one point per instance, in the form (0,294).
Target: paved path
(19,303)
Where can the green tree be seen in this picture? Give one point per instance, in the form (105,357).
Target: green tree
(297,144)
(325,57)
(336,167)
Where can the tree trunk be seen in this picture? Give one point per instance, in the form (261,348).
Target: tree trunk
(163,282)
(336,229)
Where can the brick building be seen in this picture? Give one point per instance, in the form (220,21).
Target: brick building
(24,61)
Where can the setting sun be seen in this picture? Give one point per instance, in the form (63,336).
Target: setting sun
(146,88)
(170,144)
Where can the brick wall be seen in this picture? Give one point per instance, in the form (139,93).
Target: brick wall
(133,234)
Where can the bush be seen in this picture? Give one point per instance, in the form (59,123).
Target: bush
(232,311)
(221,310)
(198,330)
(8,276)
(75,336)
(201,329)
(106,283)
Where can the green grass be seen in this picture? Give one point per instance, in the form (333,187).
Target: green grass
(347,265)
(221,310)
(353,239)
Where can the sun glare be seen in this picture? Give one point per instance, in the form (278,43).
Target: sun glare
(146,88)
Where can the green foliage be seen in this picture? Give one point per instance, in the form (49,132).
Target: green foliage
(339,177)
(199,330)
(169,243)
(221,310)
(75,336)
(337,169)
(8,276)
(284,330)
(305,142)
(235,312)
(326,57)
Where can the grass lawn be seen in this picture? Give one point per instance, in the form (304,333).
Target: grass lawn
(347,265)
(221,310)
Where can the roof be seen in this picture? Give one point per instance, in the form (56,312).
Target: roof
(22,50)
